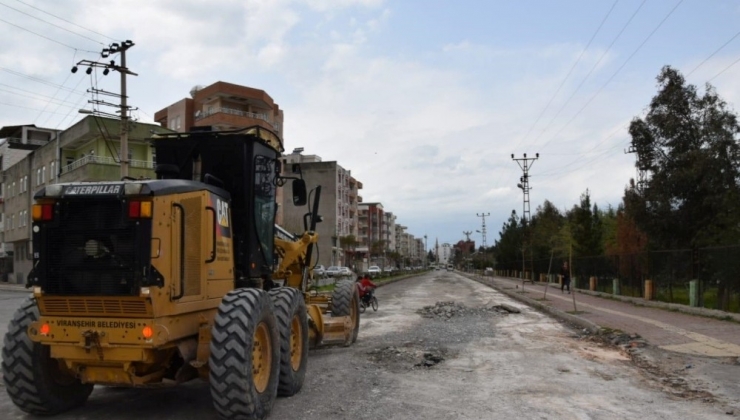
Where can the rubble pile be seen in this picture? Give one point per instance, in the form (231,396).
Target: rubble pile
(448,309)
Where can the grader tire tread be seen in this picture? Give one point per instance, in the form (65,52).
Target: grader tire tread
(27,370)
(289,302)
(233,390)
(343,299)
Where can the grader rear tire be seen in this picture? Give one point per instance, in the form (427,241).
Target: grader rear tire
(345,301)
(35,382)
(292,319)
(245,355)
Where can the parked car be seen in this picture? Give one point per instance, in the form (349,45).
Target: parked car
(345,272)
(332,271)
(389,270)
(374,270)
(319,271)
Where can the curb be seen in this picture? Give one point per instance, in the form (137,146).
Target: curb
(557,313)
(10,287)
(674,307)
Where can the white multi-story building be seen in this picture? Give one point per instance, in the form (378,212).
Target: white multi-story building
(337,206)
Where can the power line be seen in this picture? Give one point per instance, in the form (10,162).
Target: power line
(621,31)
(616,72)
(712,54)
(25,107)
(47,38)
(38,80)
(52,24)
(65,20)
(67,97)
(619,34)
(578,60)
(724,70)
(38,97)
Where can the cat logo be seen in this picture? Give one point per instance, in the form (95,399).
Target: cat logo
(222,213)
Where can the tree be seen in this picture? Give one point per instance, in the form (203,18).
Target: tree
(586,228)
(687,142)
(508,248)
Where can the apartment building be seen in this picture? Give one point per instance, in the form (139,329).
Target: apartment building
(390,231)
(223,106)
(338,207)
(87,151)
(16,142)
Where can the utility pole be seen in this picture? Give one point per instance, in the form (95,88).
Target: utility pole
(483,228)
(483,233)
(642,167)
(525,164)
(114,48)
(426,252)
(465,249)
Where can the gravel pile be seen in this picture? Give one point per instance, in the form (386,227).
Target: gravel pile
(449,309)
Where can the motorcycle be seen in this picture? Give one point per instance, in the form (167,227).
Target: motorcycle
(368,300)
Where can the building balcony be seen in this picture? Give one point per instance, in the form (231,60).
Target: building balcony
(25,144)
(104,168)
(235,117)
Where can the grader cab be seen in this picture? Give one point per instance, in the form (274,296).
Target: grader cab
(150,283)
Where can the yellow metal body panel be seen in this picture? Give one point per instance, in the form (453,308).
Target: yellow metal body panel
(292,256)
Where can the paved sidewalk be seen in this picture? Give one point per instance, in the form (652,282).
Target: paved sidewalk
(669,330)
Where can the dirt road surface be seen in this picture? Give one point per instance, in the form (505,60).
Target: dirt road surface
(471,359)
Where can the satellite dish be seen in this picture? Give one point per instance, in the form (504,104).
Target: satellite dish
(197,113)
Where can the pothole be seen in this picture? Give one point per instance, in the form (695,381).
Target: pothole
(409,358)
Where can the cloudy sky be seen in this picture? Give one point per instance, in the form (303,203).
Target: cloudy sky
(424,101)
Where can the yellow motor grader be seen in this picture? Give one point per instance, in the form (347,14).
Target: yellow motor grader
(149,283)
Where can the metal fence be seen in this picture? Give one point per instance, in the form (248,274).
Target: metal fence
(716,269)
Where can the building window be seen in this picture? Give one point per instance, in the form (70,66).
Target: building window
(12,189)
(38,176)
(43,174)
(52,172)
(12,221)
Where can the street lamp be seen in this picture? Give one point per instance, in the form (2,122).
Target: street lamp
(426,260)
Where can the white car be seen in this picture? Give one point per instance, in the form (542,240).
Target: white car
(374,270)
(319,271)
(333,271)
(344,272)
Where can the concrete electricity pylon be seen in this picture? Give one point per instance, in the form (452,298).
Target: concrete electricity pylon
(483,228)
(114,48)
(526,164)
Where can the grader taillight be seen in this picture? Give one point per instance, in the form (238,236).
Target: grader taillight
(42,212)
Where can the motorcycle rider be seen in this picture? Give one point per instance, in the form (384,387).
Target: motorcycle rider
(366,286)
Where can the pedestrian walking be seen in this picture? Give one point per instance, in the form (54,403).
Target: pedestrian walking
(565,272)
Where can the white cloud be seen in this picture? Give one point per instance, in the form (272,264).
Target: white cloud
(428,128)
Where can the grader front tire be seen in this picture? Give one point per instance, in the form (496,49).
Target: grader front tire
(292,319)
(245,355)
(345,301)
(34,381)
